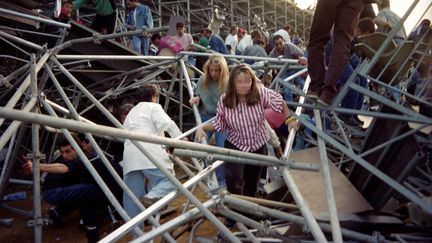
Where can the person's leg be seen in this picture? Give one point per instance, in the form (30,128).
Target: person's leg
(98,23)
(135,182)
(234,174)
(251,175)
(144,45)
(220,171)
(111,22)
(61,209)
(159,184)
(324,18)
(344,25)
(136,43)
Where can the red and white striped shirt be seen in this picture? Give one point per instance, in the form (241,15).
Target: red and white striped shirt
(244,125)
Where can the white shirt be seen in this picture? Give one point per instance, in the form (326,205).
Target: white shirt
(285,35)
(393,19)
(244,42)
(232,40)
(147,118)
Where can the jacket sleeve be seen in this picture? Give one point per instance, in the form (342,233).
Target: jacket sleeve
(149,18)
(77,4)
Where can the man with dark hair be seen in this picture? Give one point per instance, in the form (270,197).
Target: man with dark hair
(289,51)
(183,38)
(154,46)
(70,186)
(147,117)
(139,17)
(216,43)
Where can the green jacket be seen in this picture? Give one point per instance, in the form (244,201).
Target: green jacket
(103,7)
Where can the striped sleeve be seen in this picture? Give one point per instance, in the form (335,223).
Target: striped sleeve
(220,123)
(271,99)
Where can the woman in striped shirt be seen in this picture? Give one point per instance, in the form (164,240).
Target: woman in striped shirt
(240,115)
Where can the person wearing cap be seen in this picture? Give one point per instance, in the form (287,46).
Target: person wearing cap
(183,38)
(232,38)
(244,41)
(241,32)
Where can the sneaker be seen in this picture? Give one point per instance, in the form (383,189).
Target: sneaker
(92,235)
(148,201)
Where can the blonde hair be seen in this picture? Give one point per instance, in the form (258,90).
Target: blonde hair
(224,72)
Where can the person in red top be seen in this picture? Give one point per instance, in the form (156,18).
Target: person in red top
(240,115)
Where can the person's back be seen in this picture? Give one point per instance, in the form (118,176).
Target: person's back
(392,18)
(255,50)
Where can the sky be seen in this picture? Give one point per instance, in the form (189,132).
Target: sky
(397,6)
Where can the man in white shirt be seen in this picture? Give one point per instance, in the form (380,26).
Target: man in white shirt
(232,39)
(147,117)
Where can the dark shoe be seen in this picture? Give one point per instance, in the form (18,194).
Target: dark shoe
(55,217)
(92,235)
(229,222)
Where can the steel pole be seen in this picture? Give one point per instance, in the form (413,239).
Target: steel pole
(334,220)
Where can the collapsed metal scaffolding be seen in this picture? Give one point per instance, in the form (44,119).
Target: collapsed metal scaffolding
(45,88)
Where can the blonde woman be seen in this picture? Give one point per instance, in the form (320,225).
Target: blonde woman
(208,91)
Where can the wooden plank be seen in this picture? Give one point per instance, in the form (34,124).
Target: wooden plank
(311,186)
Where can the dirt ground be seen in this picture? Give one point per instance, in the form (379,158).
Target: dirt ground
(71,232)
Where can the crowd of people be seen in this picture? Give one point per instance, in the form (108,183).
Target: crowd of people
(246,111)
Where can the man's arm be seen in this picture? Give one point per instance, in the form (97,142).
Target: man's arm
(56,168)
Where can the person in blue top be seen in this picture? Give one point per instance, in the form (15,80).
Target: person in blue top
(216,43)
(139,17)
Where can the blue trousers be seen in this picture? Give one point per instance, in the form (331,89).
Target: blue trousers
(158,186)
(88,198)
(220,142)
(140,44)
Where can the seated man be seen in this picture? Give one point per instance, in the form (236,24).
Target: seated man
(70,186)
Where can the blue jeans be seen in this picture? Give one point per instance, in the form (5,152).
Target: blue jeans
(88,198)
(140,44)
(287,91)
(220,142)
(158,186)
